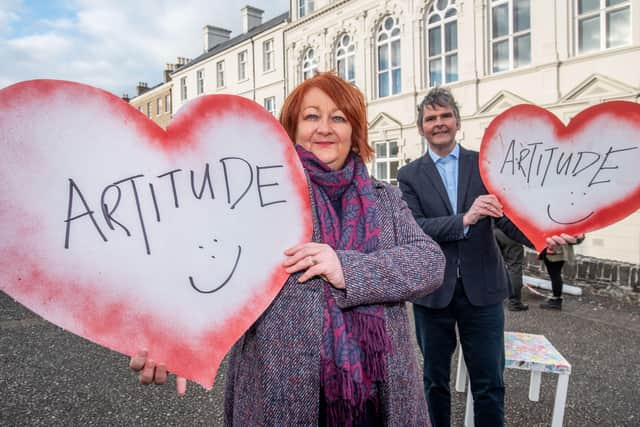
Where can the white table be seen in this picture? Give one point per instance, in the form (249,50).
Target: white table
(531,353)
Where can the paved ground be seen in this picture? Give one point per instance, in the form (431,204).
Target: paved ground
(51,378)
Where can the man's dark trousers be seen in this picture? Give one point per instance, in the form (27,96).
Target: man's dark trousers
(482,343)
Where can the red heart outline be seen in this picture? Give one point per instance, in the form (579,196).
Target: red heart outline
(114,323)
(624,111)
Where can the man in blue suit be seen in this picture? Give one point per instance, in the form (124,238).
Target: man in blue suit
(449,201)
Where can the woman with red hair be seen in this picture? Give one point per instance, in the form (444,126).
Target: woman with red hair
(335,347)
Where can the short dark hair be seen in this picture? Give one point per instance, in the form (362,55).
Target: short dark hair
(441,97)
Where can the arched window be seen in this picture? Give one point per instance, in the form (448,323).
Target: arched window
(442,42)
(388,49)
(309,64)
(345,58)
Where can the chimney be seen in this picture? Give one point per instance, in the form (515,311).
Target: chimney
(251,18)
(126,98)
(213,36)
(142,88)
(168,69)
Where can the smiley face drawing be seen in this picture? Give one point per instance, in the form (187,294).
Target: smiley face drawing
(557,221)
(226,280)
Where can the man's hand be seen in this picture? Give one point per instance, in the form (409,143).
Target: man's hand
(151,372)
(482,207)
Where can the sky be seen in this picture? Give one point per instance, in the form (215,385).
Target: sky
(110,44)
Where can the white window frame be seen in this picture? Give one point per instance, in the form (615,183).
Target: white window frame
(242,65)
(387,160)
(443,21)
(309,63)
(509,37)
(149,109)
(183,88)
(220,74)
(346,57)
(158,106)
(270,104)
(200,80)
(602,14)
(167,103)
(385,39)
(305,7)
(268,55)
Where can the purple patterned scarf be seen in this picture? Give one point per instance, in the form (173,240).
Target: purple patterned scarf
(354,341)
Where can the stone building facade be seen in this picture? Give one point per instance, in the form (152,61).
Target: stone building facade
(156,102)
(561,55)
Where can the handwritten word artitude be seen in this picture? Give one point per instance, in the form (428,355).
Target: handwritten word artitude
(552,178)
(534,161)
(175,185)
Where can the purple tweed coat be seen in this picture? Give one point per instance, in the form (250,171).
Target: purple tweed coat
(274,369)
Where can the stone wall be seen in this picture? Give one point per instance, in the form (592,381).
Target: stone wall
(602,276)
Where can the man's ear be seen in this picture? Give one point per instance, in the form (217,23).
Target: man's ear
(420,131)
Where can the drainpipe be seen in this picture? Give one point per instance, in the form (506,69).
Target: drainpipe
(285,72)
(253,68)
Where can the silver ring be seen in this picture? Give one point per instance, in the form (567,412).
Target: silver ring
(311,260)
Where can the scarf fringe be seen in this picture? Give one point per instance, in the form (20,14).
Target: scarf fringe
(340,413)
(342,387)
(371,330)
(345,402)
(374,343)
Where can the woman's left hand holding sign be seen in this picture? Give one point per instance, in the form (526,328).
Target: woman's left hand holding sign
(318,259)
(151,372)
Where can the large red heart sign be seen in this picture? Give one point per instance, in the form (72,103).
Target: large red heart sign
(134,237)
(553,179)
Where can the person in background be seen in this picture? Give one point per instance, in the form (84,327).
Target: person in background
(554,261)
(513,255)
(334,347)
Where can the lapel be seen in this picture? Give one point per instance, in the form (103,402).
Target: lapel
(465,167)
(433,176)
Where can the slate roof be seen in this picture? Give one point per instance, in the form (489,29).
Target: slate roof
(235,41)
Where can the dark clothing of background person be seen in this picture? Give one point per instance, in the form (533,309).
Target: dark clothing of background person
(554,268)
(513,255)
(554,262)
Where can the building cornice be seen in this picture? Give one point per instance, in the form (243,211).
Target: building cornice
(322,11)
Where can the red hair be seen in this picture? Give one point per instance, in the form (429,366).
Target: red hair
(347,98)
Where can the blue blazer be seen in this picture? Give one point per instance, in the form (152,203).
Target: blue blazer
(474,257)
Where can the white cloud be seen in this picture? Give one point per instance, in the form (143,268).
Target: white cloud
(9,13)
(62,24)
(113,44)
(40,47)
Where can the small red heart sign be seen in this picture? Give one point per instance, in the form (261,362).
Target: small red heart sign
(138,238)
(553,179)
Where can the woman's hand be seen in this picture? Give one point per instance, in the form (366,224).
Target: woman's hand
(151,372)
(318,259)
